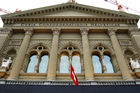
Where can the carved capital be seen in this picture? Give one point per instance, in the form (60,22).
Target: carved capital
(28,31)
(111,31)
(84,31)
(56,31)
(134,31)
(6,31)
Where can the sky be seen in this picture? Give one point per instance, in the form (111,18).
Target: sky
(12,5)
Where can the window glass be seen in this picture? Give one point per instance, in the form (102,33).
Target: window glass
(64,64)
(108,64)
(76,64)
(96,64)
(32,64)
(43,64)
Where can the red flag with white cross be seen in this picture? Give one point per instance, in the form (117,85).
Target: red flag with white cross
(73,76)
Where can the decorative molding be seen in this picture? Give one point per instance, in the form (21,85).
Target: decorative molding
(64,43)
(28,31)
(6,31)
(15,42)
(34,43)
(84,31)
(133,32)
(100,83)
(66,25)
(111,31)
(125,42)
(56,31)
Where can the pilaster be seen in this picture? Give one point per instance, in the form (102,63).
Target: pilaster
(89,73)
(5,34)
(135,37)
(20,55)
(119,55)
(53,55)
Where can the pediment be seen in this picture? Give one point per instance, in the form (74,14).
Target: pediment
(69,13)
(70,9)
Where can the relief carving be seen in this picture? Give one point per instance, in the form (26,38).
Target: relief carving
(64,43)
(15,42)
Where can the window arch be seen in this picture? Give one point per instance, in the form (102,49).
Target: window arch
(38,62)
(76,62)
(32,63)
(101,60)
(96,62)
(64,62)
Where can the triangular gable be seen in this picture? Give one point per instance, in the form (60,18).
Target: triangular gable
(68,13)
(70,9)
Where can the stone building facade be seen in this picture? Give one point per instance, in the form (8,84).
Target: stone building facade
(70,29)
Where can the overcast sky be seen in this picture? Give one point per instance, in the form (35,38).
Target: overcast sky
(12,5)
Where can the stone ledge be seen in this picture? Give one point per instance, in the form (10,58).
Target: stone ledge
(137,72)
(68,82)
(2,72)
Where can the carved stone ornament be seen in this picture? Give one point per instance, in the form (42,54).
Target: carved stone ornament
(134,31)
(28,31)
(56,31)
(111,31)
(134,64)
(84,31)
(6,31)
(6,63)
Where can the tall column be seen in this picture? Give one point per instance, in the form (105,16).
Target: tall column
(87,55)
(135,36)
(53,55)
(20,55)
(5,34)
(119,55)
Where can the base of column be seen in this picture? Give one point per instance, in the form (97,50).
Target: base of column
(12,78)
(128,79)
(51,79)
(89,79)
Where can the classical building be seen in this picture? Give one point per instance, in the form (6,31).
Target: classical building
(37,46)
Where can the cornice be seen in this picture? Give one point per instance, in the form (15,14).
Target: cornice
(6,31)
(68,19)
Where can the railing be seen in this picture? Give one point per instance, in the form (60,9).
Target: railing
(69,82)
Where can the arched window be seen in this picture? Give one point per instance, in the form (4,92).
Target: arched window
(96,64)
(32,63)
(76,62)
(108,64)
(43,63)
(64,63)
(101,61)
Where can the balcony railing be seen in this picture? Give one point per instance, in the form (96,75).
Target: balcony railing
(69,82)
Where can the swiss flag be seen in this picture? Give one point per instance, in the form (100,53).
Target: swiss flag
(73,76)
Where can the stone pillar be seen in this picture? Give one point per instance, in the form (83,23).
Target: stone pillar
(36,69)
(5,34)
(104,69)
(53,55)
(89,73)
(135,36)
(119,55)
(26,62)
(20,55)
